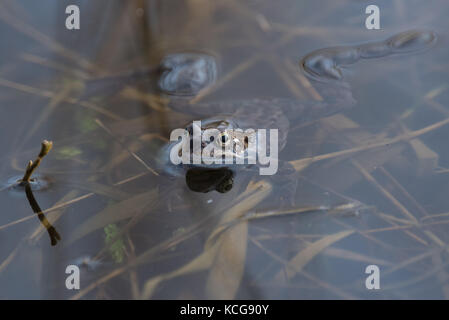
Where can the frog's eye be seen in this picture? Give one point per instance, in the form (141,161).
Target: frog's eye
(223,138)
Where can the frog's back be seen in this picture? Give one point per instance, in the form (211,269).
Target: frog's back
(274,113)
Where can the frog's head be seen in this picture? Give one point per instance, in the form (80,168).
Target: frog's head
(220,138)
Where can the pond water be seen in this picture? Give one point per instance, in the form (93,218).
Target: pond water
(363,162)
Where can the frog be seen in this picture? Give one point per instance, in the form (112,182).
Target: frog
(227,117)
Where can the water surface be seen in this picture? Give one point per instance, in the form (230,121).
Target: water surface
(372,179)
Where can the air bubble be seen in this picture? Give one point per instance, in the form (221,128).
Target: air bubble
(374,50)
(321,66)
(324,64)
(187,73)
(345,55)
(411,41)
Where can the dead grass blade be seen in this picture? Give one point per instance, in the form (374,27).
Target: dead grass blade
(297,263)
(224,253)
(122,210)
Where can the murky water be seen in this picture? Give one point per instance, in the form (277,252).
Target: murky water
(362,177)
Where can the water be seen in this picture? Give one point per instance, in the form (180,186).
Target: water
(371,180)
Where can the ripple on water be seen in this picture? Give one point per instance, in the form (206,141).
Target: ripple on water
(187,73)
(324,64)
(37,183)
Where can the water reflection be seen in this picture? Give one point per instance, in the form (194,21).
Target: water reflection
(54,235)
(205,180)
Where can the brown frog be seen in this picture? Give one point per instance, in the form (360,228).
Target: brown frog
(229,116)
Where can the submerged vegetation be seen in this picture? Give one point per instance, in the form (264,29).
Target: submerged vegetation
(372,180)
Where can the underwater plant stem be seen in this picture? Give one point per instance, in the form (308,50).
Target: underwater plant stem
(32,166)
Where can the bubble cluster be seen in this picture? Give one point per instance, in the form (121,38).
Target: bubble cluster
(325,64)
(187,73)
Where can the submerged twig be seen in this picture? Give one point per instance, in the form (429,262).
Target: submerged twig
(54,235)
(32,166)
(25,181)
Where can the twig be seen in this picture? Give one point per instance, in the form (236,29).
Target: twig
(54,235)
(45,149)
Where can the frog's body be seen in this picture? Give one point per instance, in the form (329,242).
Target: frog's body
(272,113)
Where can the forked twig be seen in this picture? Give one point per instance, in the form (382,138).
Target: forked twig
(32,166)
